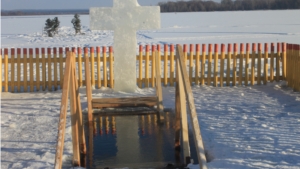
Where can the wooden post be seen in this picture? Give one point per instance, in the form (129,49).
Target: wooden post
(197,71)
(216,63)
(247,64)
(191,64)
(1,71)
(159,60)
(12,70)
(209,64)
(92,61)
(192,110)
(55,67)
(181,101)
(172,64)
(235,49)
(266,64)
(253,56)
(203,61)
(298,67)
(104,67)
(222,65)
(19,70)
(62,116)
(111,68)
(147,67)
(165,68)
(241,63)
(278,55)
(80,66)
(153,66)
(88,85)
(31,69)
(283,55)
(229,49)
(73,111)
(160,106)
(259,64)
(6,69)
(37,64)
(98,67)
(140,66)
(61,69)
(49,70)
(25,70)
(177,112)
(272,62)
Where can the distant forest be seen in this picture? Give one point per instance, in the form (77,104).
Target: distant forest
(43,12)
(184,6)
(228,5)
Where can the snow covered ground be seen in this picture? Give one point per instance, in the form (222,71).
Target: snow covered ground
(242,127)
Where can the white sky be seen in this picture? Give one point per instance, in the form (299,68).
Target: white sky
(65,4)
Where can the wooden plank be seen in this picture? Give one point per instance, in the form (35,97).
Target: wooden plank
(177,114)
(197,71)
(12,71)
(140,80)
(222,65)
(209,64)
(18,70)
(165,69)
(191,63)
(80,66)
(247,64)
(160,106)
(92,61)
(272,62)
(37,64)
(216,63)
(183,115)
(82,145)
(266,65)
(172,65)
(278,62)
(31,77)
(25,70)
(259,64)
(234,58)
(253,63)
(147,67)
(73,113)
(98,67)
(55,67)
(88,86)
(5,70)
(153,66)
(61,69)
(241,63)
(229,49)
(192,111)
(62,117)
(111,68)
(49,69)
(125,99)
(104,67)
(203,63)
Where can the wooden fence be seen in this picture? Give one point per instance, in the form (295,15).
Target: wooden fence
(293,66)
(42,68)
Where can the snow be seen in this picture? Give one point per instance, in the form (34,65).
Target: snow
(242,127)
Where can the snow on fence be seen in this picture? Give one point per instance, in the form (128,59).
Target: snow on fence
(44,66)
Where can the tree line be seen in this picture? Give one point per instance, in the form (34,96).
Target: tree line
(227,5)
(43,12)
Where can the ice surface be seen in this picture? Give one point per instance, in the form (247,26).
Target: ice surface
(125,18)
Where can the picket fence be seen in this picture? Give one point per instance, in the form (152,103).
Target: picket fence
(29,70)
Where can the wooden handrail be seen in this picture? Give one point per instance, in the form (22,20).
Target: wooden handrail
(191,107)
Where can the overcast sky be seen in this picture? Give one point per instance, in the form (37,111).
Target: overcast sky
(65,4)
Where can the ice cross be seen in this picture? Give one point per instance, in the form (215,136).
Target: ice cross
(125,18)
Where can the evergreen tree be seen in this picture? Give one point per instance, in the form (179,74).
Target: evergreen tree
(51,26)
(76,24)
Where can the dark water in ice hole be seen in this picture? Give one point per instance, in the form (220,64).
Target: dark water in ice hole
(133,141)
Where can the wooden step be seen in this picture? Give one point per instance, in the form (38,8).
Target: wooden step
(98,103)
